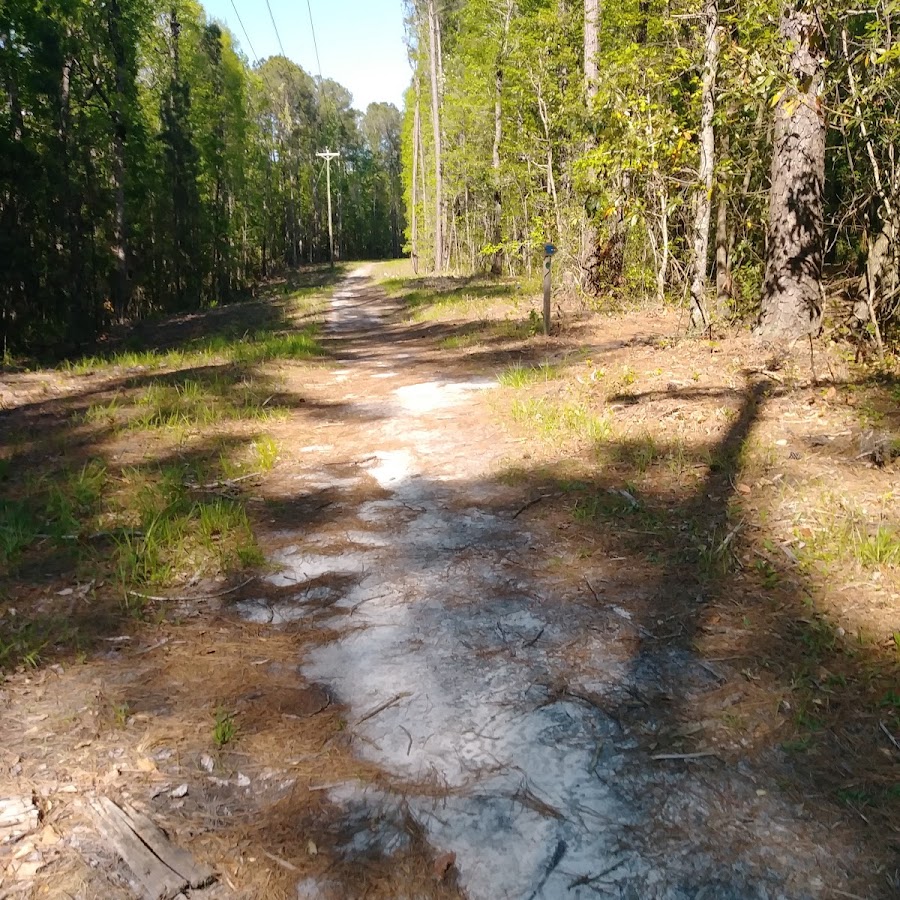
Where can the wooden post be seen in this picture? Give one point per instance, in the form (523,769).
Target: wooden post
(328,156)
(549,250)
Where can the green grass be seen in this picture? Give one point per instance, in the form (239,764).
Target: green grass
(560,422)
(519,376)
(236,347)
(59,508)
(224,728)
(266,451)
(171,534)
(196,403)
(844,533)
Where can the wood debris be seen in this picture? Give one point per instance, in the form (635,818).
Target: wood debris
(161,869)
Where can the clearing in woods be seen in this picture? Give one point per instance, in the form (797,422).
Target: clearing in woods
(504,617)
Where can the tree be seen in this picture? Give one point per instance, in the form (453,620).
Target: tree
(703,194)
(792,291)
(434,64)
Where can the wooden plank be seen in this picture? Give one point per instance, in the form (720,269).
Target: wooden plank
(154,878)
(18,816)
(179,860)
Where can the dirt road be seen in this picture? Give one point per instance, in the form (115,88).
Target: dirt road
(507,686)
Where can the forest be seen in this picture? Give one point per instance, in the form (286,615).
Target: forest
(148,166)
(737,158)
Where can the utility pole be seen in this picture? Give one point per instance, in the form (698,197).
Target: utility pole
(328,156)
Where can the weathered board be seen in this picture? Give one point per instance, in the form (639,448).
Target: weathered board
(18,816)
(161,870)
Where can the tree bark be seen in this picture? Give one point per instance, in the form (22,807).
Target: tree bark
(434,39)
(414,223)
(497,261)
(723,255)
(121,285)
(590,246)
(703,195)
(791,302)
(591,46)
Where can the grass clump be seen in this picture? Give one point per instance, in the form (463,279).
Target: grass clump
(224,728)
(844,534)
(562,421)
(173,535)
(519,376)
(194,403)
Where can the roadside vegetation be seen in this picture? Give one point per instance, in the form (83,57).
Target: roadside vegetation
(128,472)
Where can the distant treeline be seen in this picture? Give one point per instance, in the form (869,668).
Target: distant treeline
(146,167)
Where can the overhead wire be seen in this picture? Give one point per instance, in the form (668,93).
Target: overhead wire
(243,28)
(312,28)
(277,35)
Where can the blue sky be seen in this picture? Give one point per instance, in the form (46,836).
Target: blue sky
(360,41)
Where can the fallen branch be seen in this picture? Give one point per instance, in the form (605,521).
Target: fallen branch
(529,504)
(225,482)
(660,757)
(383,706)
(889,736)
(281,862)
(185,599)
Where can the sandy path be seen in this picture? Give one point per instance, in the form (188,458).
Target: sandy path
(512,708)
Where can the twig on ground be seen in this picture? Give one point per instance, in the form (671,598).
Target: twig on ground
(585,880)
(281,862)
(186,599)
(555,860)
(225,482)
(529,504)
(841,893)
(702,754)
(409,746)
(383,706)
(730,537)
(889,736)
(534,640)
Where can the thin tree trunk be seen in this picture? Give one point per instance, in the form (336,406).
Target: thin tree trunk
(662,276)
(121,286)
(875,263)
(434,38)
(497,235)
(590,240)
(791,302)
(703,196)
(414,212)
(723,254)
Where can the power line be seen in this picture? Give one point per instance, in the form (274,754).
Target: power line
(312,28)
(272,17)
(253,51)
(241,22)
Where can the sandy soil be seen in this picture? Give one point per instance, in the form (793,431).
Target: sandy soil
(444,687)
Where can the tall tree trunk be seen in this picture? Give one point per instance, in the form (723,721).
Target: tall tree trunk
(434,39)
(590,241)
(414,211)
(723,255)
(121,288)
(497,261)
(791,301)
(591,46)
(703,196)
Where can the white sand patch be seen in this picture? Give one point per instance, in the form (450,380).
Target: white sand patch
(297,567)
(392,467)
(419,399)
